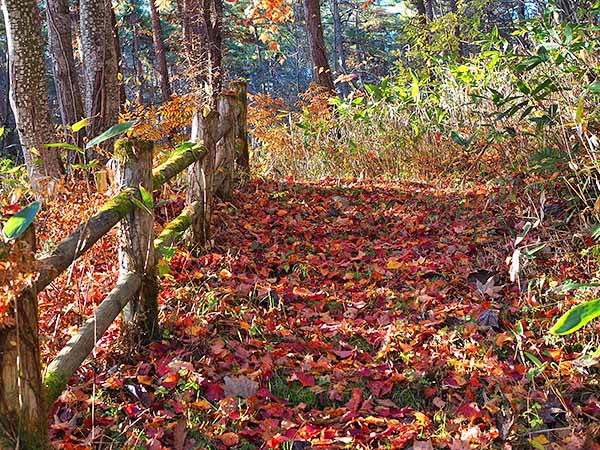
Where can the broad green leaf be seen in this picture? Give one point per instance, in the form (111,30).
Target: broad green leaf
(532,251)
(595,231)
(460,139)
(568,34)
(81,124)
(16,225)
(184,146)
(534,359)
(414,89)
(139,204)
(577,317)
(147,197)
(579,112)
(526,229)
(110,133)
(594,87)
(66,146)
(570,285)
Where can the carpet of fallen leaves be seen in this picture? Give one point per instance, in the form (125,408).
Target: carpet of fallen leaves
(338,314)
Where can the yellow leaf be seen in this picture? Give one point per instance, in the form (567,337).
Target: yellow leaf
(394,264)
(539,441)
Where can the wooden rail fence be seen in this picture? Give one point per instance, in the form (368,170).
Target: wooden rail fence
(219,149)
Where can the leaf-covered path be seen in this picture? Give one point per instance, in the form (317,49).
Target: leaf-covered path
(340,315)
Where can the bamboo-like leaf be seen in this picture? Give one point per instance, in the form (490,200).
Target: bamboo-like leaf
(147,197)
(81,124)
(594,87)
(110,133)
(16,225)
(577,317)
(66,146)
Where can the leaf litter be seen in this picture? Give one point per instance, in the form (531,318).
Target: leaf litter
(337,314)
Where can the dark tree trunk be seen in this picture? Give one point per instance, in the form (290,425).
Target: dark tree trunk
(60,43)
(203,40)
(215,41)
(29,89)
(261,62)
(321,71)
(117,45)
(421,11)
(429,10)
(137,62)
(159,49)
(339,46)
(457,32)
(102,96)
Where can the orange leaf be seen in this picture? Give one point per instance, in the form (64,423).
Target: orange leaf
(229,439)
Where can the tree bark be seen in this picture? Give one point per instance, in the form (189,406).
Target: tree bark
(421,11)
(22,411)
(339,46)
(102,97)
(160,53)
(137,62)
(60,43)
(29,89)
(429,10)
(321,71)
(457,33)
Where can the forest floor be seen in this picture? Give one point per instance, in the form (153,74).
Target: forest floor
(338,314)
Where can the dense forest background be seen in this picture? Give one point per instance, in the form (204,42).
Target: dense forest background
(432,74)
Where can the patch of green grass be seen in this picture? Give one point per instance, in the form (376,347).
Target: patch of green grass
(293,392)
(410,394)
(202,441)
(360,342)
(333,306)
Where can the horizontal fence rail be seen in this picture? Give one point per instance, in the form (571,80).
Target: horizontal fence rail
(217,151)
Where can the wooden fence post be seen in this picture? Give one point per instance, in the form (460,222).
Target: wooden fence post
(22,410)
(225,152)
(136,235)
(201,176)
(240,88)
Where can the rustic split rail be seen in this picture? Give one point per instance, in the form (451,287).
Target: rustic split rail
(219,148)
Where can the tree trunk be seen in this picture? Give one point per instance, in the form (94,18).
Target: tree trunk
(60,43)
(137,62)
(29,89)
(321,71)
(421,11)
(117,45)
(260,61)
(429,10)
(22,410)
(159,49)
(457,33)
(339,46)
(215,42)
(100,67)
